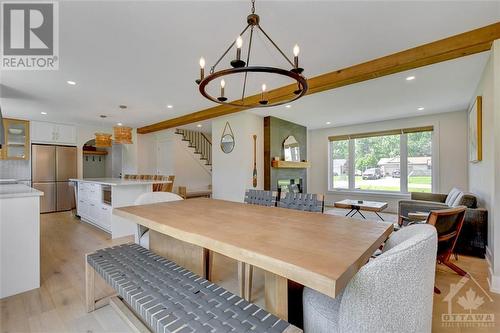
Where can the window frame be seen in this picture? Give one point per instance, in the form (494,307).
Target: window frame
(403,142)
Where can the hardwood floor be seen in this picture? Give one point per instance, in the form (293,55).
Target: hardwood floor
(58,306)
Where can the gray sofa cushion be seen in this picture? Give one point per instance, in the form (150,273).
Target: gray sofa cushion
(452,196)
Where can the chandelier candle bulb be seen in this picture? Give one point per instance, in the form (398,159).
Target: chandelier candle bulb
(263,101)
(296,51)
(239,44)
(202,70)
(222,86)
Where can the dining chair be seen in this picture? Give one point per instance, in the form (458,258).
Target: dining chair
(126,177)
(302,201)
(261,197)
(391,293)
(157,187)
(168,187)
(448,223)
(142,234)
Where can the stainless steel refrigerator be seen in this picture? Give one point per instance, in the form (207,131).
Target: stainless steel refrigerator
(51,169)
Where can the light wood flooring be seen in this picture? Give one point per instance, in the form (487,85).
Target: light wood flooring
(58,306)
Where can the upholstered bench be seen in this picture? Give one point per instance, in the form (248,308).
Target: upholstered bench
(169,298)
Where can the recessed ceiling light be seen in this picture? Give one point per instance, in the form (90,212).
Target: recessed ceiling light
(103,116)
(43,112)
(409,78)
(170,106)
(119,124)
(199,125)
(288,106)
(122,106)
(420,108)
(328,122)
(71,83)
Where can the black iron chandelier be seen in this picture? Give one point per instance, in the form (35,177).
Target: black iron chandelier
(240,66)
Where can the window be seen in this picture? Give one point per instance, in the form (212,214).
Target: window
(420,162)
(340,163)
(377,160)
(390,161)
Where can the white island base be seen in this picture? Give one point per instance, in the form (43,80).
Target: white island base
(124,192)
(19,239)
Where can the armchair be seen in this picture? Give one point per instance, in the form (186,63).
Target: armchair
(473,237)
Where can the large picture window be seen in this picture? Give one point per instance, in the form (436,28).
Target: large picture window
(390,161)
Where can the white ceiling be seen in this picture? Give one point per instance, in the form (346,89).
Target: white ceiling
(145,55)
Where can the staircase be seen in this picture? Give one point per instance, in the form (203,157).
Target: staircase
(201,144)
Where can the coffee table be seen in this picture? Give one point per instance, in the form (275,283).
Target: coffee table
(356,206)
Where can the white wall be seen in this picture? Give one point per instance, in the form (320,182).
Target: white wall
(449,154)
(484,178)
(165,153)
(84,134)
(232,173)
(129,155)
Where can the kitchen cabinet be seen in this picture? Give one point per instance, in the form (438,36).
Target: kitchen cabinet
(91,209)
(17,139)
(45,132)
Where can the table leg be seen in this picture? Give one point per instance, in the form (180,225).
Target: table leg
(276,295)
(379,216)
(349,212)
(359,212)
(192,257)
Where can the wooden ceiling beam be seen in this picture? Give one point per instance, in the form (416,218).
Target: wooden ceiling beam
(464,44)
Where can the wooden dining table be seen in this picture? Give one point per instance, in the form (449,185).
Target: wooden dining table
(319,251)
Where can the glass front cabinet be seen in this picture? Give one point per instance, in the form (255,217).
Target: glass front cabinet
(17,139)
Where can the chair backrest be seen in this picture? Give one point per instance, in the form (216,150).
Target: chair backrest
(394,292)
(155,197)
(302,201)
(168,187)
(261,197)
(448,223)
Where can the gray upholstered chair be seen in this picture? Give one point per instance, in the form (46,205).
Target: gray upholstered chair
(391,293)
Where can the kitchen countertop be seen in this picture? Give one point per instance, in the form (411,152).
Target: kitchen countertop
(18,191)
(119,181)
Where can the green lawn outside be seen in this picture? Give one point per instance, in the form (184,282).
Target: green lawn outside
(420,180)
(413,183)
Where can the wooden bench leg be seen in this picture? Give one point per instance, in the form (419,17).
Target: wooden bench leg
(89,286)
(248,282)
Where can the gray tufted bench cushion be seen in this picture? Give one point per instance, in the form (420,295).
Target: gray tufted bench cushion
(170,298)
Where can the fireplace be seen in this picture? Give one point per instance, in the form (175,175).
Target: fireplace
(293,185)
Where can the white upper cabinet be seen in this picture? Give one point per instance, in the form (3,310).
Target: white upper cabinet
(52,133)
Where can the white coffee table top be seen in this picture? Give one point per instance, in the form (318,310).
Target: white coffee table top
(374,206)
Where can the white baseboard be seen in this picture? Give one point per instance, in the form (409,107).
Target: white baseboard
(493,280)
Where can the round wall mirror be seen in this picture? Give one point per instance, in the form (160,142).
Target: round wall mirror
(227,139)
(227,143)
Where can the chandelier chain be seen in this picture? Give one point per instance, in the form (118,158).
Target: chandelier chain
(253,6)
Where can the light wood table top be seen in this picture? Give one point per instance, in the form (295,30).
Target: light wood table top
(374,206)
(319,251)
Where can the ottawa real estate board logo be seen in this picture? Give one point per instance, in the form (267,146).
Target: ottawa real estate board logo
(30,35)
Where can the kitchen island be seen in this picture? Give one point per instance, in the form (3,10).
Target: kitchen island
(96,198)
(19,239)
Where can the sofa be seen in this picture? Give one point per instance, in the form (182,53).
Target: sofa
(473,237)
